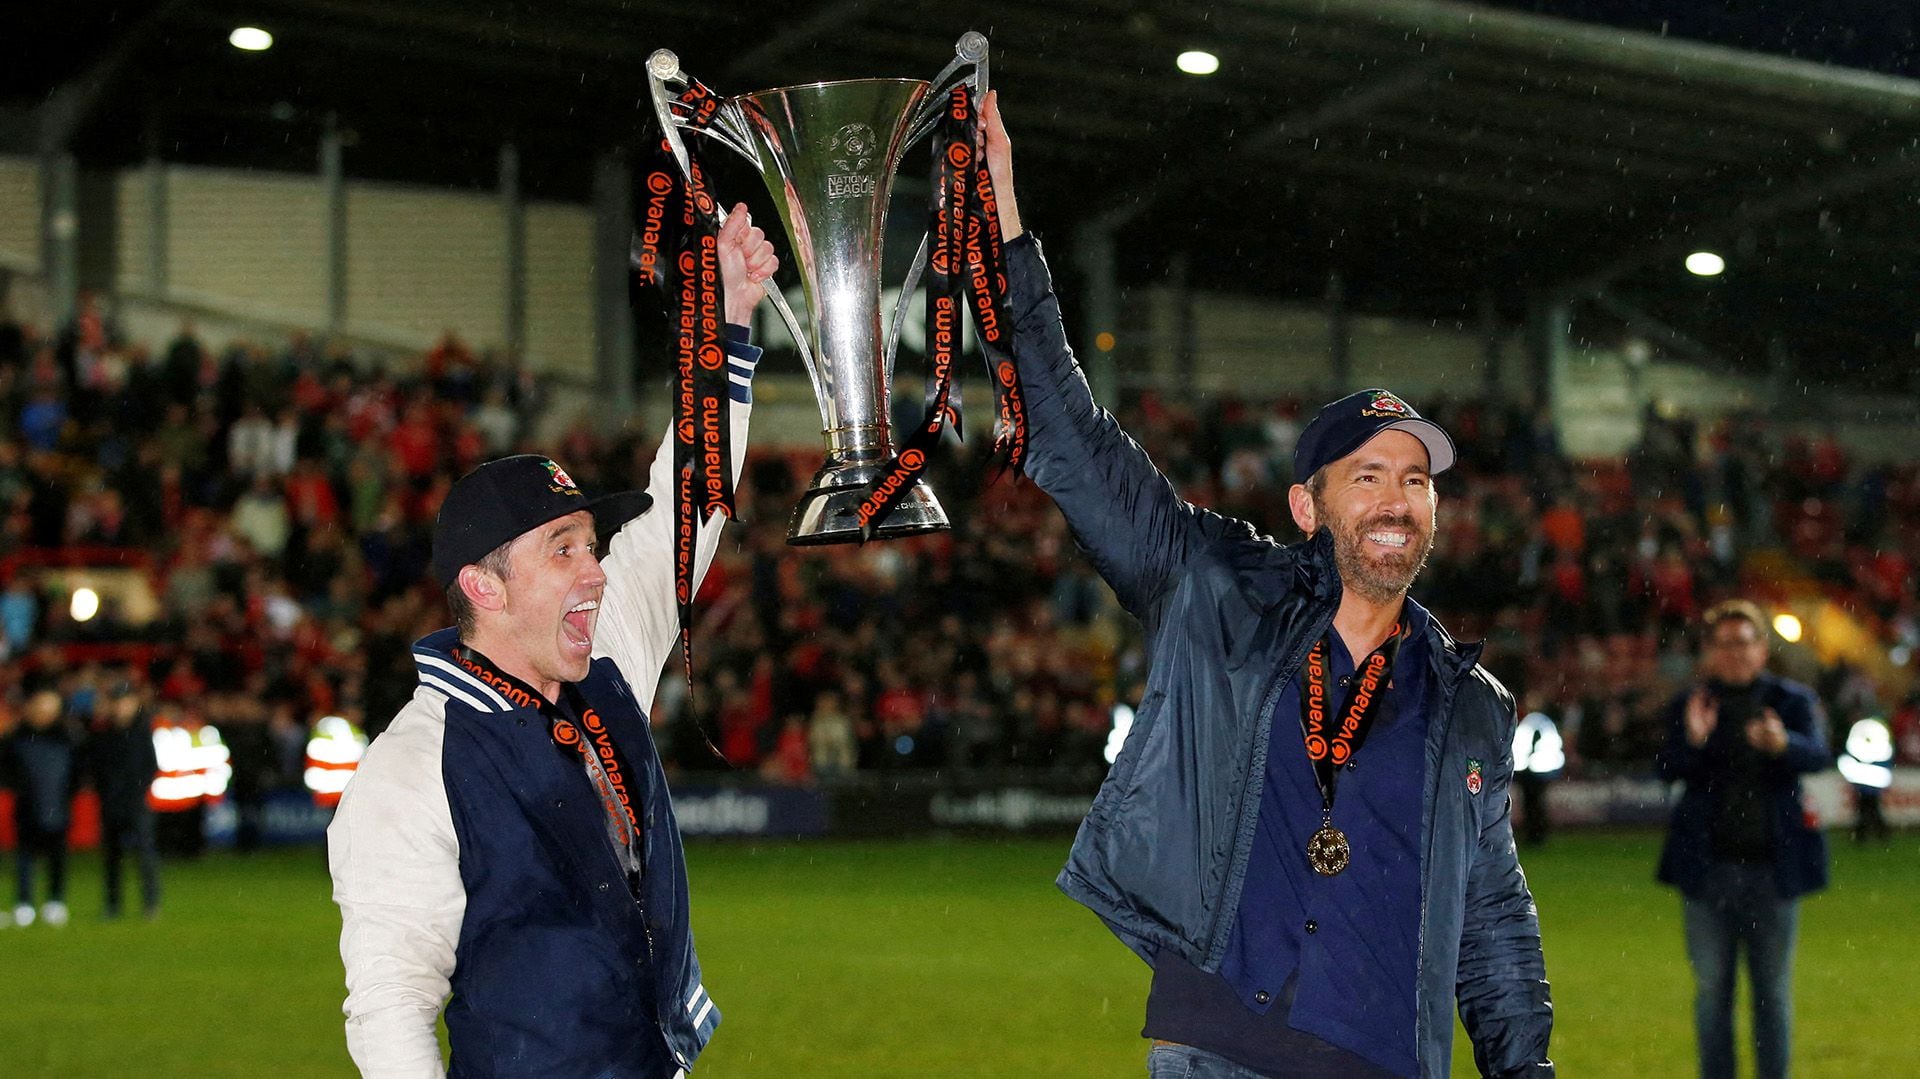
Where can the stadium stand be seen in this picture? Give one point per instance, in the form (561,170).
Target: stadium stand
(276,505)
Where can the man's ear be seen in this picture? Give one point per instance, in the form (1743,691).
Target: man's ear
(482,589)
(1300,501)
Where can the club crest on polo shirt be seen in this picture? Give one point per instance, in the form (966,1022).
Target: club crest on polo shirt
(562,483)
(1386,404)
(1473,776)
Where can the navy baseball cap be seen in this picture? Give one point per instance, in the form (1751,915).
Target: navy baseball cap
(503,498)
(1345,425)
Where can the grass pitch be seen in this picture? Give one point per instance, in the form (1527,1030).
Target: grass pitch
(923,958)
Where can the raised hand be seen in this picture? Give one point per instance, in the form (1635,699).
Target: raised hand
(1000,166)
(1702,716)
(746,264)
(1768,734)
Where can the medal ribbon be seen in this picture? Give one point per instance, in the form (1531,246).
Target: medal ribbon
(1334,738)
(607,769)
(680,216)
(605,762)
(987,271)
(964,264)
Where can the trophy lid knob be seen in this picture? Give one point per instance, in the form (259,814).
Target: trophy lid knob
(972,47)
(663,64)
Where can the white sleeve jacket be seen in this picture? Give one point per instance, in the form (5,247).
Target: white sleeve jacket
(469,854)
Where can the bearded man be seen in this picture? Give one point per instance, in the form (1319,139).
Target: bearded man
(1303,915)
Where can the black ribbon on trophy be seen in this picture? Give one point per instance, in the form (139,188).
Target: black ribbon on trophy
(680,216)
(965,268)
(1333,738)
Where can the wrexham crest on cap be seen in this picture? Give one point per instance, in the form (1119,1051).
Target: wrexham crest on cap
(1386,404)
(562,483)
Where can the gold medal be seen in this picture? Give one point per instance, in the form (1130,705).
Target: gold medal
(1328,852)
(1332,738)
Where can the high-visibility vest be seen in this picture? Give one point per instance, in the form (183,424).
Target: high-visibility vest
(333,754)
(195,766)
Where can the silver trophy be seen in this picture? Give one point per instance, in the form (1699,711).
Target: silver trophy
(827,152)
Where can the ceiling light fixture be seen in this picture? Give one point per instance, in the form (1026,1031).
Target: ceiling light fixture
(251,39)
(1197,62)
(1705,264)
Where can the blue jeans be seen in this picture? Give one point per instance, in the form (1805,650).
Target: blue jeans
(1741,912)
(1186,1062)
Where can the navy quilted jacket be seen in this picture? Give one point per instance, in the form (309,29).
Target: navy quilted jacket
(1230,615)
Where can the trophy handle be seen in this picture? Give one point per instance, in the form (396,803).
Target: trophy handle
(900,306)
(970,51)
(729,129)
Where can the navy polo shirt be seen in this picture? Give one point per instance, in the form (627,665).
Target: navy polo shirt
(1323,968)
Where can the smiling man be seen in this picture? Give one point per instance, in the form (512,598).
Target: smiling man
(509,838)
(1306,833)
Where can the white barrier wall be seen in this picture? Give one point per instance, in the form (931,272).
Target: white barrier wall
(253,242)
(133,218)
(421,261)
(19,213)
(1252,346)
(248,249)
(560,288)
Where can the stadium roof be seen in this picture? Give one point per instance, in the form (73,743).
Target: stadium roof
(1430,152)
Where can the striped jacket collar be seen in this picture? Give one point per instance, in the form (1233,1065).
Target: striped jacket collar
(463,675)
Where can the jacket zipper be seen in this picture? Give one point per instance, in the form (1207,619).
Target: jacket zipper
(1451,689)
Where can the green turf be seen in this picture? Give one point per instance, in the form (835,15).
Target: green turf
(937,958)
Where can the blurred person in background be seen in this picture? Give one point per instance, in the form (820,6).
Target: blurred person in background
(120,761)
(1290,934)
(830,740)
(1739,847)
(249,741)
(509,839)
(37,762)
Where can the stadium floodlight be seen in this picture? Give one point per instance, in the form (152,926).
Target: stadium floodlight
(1537,746)
(86,604)
(1788,627)
(1117,737)
(1706,264)
(1197,62)
(250,39)
(1869,752)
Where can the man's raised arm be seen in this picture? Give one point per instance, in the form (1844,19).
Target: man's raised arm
(1123,511)
(640,614)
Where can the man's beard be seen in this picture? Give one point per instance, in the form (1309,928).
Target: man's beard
(1382,578)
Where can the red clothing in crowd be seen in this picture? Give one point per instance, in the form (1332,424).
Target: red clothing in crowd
(310,498)
(789,762)
(416,444)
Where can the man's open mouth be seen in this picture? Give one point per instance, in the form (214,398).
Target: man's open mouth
(579,622)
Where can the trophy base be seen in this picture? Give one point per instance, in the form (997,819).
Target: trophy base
(830,510)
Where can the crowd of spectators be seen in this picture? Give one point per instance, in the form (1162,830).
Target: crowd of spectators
(280,500)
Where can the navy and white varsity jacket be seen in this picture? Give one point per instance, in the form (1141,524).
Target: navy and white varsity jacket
(470,854)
